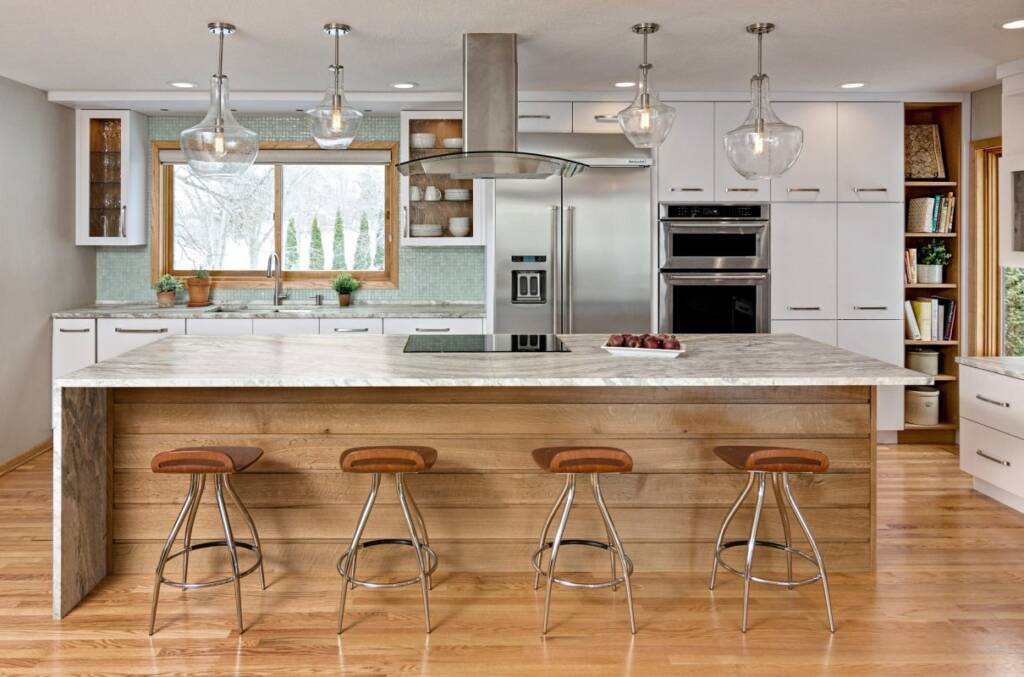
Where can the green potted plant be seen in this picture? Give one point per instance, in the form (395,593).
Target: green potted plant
(166,289)
(344,284)
(199,288)
(932,258)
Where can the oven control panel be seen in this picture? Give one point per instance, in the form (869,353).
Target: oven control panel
(710,212)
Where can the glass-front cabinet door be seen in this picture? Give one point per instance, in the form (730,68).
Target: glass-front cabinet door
(110,189)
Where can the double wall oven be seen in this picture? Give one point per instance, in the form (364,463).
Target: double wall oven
(715,262)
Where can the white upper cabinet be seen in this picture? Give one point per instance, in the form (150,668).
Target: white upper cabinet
(803,241)
(870,261)
(870,152)
(545,116)
(686,160)
(813,177)
(600,117)
(110,178)
(730,186)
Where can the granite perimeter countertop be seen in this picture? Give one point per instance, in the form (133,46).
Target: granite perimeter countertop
(379,361)
(1007,366)
(229,310)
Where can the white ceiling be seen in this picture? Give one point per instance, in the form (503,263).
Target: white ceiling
(565,45)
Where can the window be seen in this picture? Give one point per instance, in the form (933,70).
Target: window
(1013,311)
(322,212)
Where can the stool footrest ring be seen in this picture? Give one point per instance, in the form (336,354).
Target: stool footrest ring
(776,546)
(343,562)
(220,581)
(569,583)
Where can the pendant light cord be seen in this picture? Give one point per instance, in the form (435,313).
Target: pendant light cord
(644,68)
(337,64)
(760,82)
(219,123)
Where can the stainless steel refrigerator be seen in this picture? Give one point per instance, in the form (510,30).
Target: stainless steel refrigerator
(575,255)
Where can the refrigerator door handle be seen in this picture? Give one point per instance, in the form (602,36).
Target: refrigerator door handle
(570,223)
(556,291)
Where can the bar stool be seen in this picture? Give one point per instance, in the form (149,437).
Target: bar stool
(198,462)
(397,461)
(573,461)
(762,462)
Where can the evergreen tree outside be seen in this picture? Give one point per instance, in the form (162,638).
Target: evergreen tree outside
(378,253)
(363,261)
(338,256)
(1013,311)
(291,247)
(316,247)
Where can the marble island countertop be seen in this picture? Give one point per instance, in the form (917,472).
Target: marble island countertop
(1007,366)
(379,361)
(263,310)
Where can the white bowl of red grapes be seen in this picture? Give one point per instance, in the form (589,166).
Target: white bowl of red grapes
(645,345)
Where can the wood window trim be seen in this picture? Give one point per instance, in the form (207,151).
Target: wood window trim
(161,209)
(985,276)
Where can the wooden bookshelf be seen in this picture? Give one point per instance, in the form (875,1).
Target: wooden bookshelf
(948,117)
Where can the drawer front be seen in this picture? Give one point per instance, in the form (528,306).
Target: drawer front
(429,325)
(597,118)
(992,456)
(119,336)
(286,326)
(343,326)
(219,327)
(74,346)
(992,400)
(545,116)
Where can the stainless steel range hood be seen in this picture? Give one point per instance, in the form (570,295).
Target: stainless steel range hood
(490,114)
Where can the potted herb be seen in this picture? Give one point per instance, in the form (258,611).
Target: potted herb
(199,288)
(166,289)
(933,257)
(344,284)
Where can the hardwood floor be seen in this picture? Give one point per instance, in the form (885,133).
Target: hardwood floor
(947,598)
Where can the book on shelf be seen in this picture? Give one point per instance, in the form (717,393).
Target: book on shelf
(933,214)
(910,265)
(935,318)
(913,330)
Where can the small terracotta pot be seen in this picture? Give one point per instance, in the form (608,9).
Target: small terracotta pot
(198,291)
(344,299)
(165,299)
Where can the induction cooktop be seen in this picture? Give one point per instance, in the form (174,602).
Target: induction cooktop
(485,343)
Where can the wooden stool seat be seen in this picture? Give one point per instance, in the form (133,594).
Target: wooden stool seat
(390,459)
(583,460)
(201,460)
(773,459)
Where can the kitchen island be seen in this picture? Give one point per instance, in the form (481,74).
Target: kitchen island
(305,399)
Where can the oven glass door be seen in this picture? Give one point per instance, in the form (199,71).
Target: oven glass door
(714,245)
(714,303)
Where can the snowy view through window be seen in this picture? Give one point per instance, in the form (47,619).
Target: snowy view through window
(332,219)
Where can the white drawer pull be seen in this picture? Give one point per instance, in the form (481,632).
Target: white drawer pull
(803,307)
(870,190)
(342,330)
(995,402)
(535,117)
(741,190)
(994,459)
(686,190)
(871,307)
(122,330)
(803,190)
(74,331)
(433,329)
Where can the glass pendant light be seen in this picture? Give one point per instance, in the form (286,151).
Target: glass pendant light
(334,122)
(219,147)
(763,146)
(647,121)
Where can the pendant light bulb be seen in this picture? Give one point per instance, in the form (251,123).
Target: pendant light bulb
(763,146)
(219,147)
(333,122)
(647,121)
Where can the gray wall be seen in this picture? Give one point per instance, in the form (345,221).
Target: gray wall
(987,113)
(42,269)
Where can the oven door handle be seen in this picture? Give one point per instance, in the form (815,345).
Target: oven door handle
(753,277)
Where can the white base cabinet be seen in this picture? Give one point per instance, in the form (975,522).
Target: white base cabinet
(823,331)
(992,434)
(882,340)
(74,346)
(286,326)
(345,325)
(434,325)
(218,327)
(114,337)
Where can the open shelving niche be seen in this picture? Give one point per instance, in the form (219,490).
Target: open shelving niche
(948,117)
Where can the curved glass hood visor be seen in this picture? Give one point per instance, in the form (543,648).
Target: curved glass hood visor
(492,164)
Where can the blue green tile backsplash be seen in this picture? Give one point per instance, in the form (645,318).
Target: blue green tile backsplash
(425,273)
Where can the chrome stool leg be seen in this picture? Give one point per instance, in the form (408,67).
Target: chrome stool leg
(547,525)
(559,532)
(252,527)
(188,530)
(422,528)
(814,549)
(353,548)
(610,526)
(781,505)
(750,548)
(186,507)
(229,538)
(725,526)
(424,585)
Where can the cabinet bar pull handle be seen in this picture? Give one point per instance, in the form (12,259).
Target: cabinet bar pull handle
(803,190)
(405,218)
(536,116)
(803,307)
(124,215)
(606,118)
(741,190)
(870,190)
(74,331)
(433,329)
(994,459)
(122,330)
(871,307)
(998,403)
(342,330)
(686,190)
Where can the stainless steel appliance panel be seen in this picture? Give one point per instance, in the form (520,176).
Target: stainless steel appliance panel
(714,302)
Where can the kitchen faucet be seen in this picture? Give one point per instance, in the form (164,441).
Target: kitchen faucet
(274,271)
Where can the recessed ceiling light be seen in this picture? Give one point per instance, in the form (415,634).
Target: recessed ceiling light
(625,83)
(852,85)
(1012,24)
(182,84)
(404,85)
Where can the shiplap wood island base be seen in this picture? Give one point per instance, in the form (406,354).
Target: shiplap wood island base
(304,399)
